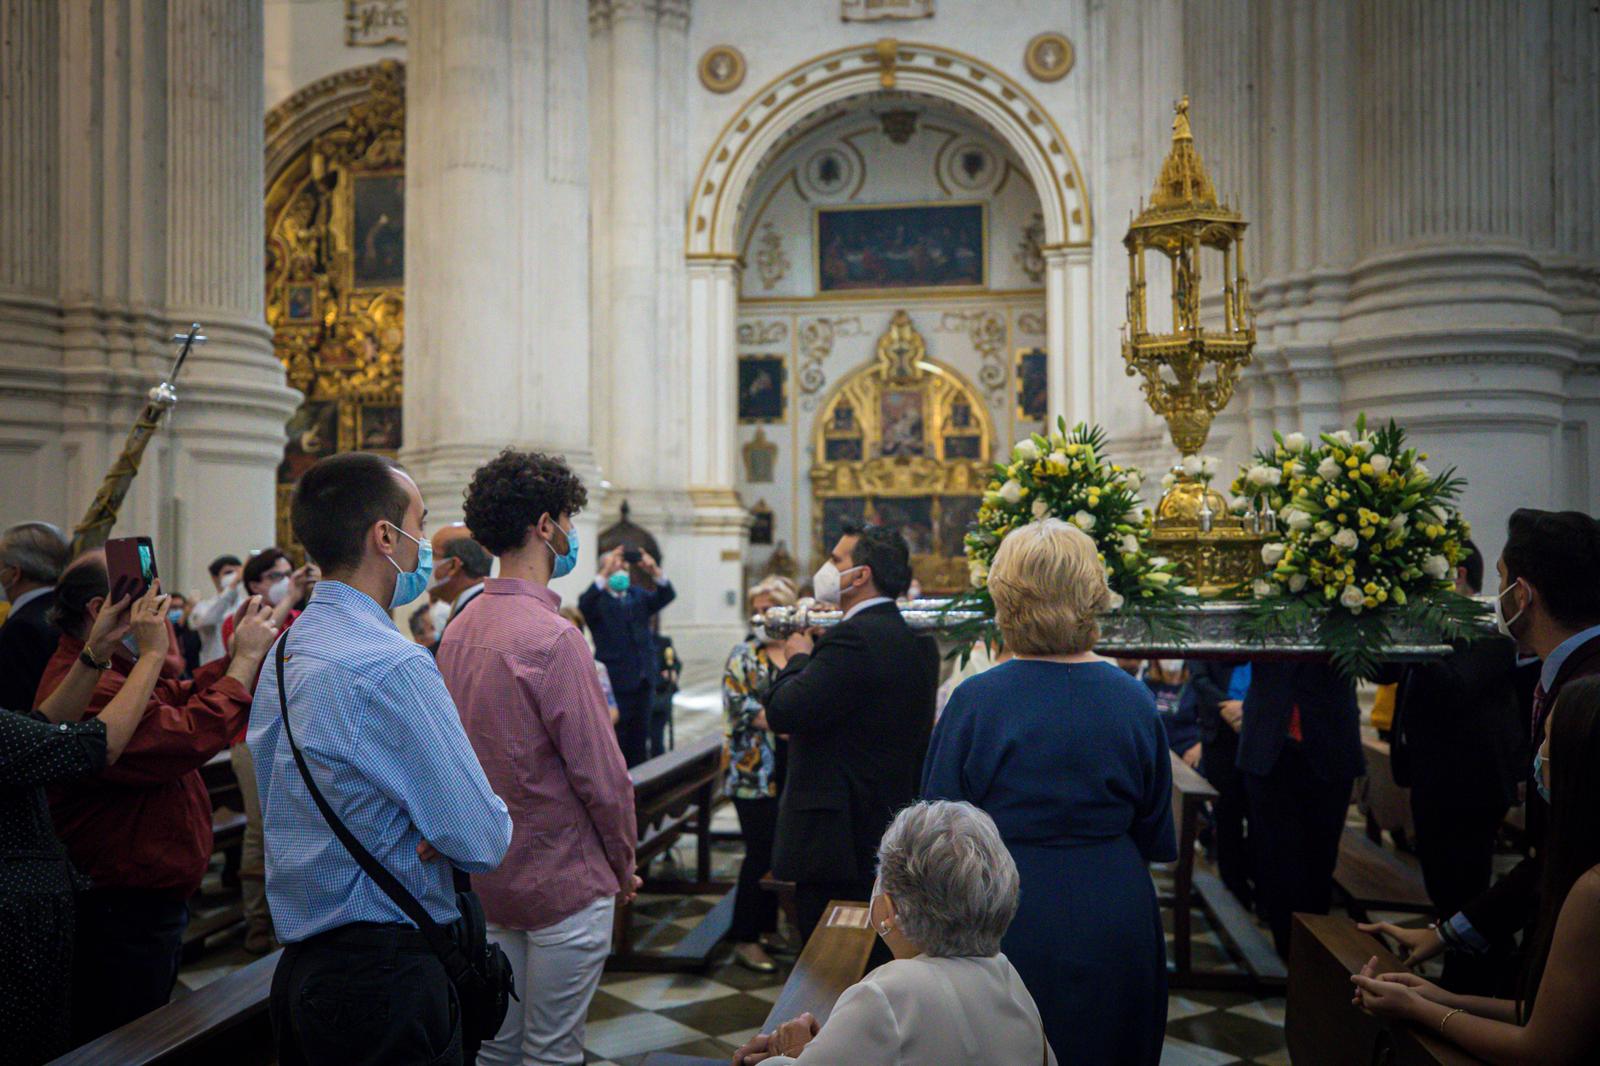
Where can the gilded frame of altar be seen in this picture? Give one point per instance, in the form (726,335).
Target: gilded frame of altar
(335,283)
(908,441)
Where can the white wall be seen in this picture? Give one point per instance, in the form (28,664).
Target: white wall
(305,41)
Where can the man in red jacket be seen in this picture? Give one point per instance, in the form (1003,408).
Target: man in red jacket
(141,830)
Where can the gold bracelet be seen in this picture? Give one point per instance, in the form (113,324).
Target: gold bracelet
(1446,1019)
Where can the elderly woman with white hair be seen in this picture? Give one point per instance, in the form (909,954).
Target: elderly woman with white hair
(754,775)
(946,892)
(1068,754)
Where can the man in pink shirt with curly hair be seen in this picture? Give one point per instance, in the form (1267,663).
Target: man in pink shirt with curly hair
(524,681)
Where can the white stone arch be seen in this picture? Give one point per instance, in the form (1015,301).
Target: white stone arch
(734,160)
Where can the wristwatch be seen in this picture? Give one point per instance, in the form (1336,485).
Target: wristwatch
(86,657)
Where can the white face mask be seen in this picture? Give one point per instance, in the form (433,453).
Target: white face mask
(278,591)
(228,580)
(1171,668)
(441,614)
(825,583)
(1501,622)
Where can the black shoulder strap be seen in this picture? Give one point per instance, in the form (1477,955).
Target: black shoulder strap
(438,939)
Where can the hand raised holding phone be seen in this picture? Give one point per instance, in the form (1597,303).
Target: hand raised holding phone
(148,621)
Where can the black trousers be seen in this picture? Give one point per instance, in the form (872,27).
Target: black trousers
(660,717)
(1228,813)
(811,905)
(1456,849)
(1296,819)
(755,911)
(128,947)
(364,994)
(633,724)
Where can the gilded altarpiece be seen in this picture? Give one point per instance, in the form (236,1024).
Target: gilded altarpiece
(904,441)
(335,273)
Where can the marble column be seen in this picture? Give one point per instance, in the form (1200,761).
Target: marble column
(133,182)
(497,224)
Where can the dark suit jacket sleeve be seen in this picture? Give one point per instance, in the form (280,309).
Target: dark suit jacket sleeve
(26,644)
(1509,904)
(658,597)
(1207,697)
(813,693)
(588,602)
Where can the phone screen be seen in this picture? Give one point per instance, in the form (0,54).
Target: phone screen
(147,562)
(130,566)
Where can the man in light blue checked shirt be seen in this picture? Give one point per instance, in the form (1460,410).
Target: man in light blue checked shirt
(381,736)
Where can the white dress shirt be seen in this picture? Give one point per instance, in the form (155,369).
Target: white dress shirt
(207,616)
(863,605)
(931,1012)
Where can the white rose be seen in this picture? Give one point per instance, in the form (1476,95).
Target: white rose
(1160,560)
(1397,524)
(1040,509)
(1346,539)
(1188,590)
(1130,544)
(1421,468)
(1352,598)
(1208,465)
(1239,504)
(1060,458)
(1025,449)
(1295,442)
(1272,553)
(1083,520)
(1328,469)
(1115,602)
(1381,463)
(1258,474)
(1192,465)
(1296,468)
(1343,437)
(1436,567)
(1168,480)
(1297,582)
(1363,447)
(1274,476)
(1262,589)
(1297,520)
(1132,481)
(1011,492)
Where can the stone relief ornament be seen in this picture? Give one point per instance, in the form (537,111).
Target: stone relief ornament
(771,263)
(722,68)
(816,344)
(987,332)
(876,10)
(1048,56)
(370,23)
(1029,254)
(1031,323)
(772,331)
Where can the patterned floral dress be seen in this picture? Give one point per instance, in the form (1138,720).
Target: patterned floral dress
(751,751)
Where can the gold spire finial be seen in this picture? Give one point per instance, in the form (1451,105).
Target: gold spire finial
(1180,120)
(1183,183)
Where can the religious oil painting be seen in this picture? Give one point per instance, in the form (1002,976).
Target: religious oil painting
(957,515)
(300,303)
(1033,385)
(379,241)
(313,432)
(964,447)
(761,526)
(378,428)
(926,246)
(761,388)
(912,516)
(844,419)
(901,412)
(842,449)
(837,513)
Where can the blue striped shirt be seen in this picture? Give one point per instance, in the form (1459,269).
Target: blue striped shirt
(383,740)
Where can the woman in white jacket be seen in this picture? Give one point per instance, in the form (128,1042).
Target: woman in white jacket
(946,892)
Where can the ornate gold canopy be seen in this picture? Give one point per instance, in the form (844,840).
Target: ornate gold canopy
(906,441)
(335,282)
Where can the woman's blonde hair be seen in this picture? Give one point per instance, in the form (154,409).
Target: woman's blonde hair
(779,588)
(1048,585)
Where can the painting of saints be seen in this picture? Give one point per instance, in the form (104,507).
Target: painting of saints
(902,424)
(379,240)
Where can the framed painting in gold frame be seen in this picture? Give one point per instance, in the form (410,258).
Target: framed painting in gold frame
(901,247)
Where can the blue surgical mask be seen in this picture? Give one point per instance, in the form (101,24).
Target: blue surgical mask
(1538,776)
(175,616)
(565,564)
(619,581)
(411,583)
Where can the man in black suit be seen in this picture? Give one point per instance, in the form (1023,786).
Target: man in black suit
(1549,604)
(32,556)
(1219,711)
(857,707)
(1300,753)
(618,613)
(1460,743)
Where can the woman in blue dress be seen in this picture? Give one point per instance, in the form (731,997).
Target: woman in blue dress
(1067,754)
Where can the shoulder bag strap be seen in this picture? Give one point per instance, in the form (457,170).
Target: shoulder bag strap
(437,938)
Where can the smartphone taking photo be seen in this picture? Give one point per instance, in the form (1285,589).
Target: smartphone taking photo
(130,566)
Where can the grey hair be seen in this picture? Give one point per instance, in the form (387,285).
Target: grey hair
(38,549)
(954,884)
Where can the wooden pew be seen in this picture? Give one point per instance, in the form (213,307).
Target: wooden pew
(676,793)
(1324,1027)
(834,958)
(1385,803)
(1190,794)
(227,836)
(1372,877)
(224,1022)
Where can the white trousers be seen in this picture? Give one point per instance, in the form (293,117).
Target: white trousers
(557,970)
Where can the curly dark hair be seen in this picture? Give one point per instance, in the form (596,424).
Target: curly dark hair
(512,491)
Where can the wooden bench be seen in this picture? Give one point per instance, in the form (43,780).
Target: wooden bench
(676,793)
(834,958)
(227,838)
(1190,794)
(1372,877)
(224,1022)
(1324,1027)
(1385,803)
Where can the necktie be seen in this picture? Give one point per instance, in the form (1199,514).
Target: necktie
(1539,700)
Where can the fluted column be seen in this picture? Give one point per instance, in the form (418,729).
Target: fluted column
(132,184)
(497,223)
